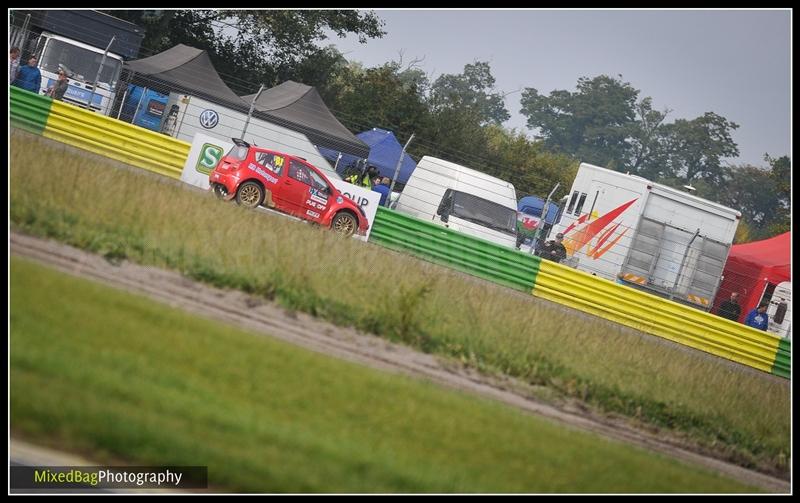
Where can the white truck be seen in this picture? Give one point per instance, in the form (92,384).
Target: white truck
(461,199)
(89,45)
(656,238)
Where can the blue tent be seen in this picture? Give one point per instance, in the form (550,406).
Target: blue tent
(384,151)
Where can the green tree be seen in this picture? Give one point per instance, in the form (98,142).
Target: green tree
(781,176)
(648,142)
(696,147)
(749,189)
(526,164)
(250,47)
(387,96)
(460,108)
(471,91)
(591,124)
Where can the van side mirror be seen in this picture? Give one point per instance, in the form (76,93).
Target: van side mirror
(444,207)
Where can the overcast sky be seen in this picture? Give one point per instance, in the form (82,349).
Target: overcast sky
(735,63)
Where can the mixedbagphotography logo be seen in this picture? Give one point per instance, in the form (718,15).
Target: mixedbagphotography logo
(109,477)
(210,155)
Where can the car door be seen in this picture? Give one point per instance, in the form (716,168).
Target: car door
(295,188)
(318,201)
(270,167)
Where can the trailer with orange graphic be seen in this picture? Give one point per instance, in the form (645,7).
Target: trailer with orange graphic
(647,235)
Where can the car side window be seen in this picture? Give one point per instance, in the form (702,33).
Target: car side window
(270,161)
(299,172)
(317,181)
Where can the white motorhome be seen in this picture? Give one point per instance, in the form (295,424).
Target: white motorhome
(461,199)
(628,229)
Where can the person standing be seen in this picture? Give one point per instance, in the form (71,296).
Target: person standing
(554,250)
(59,87)
(170,121)
(731,309)
(382,188)
(13,64)
(29,76)
(758,317)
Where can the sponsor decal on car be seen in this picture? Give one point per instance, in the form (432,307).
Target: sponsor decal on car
(267,176)
(317,196)
(315,204)
(312,214)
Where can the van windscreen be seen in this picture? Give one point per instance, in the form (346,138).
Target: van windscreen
(483,212)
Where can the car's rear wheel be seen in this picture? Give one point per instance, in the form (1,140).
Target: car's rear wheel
(344,224)
(250,195)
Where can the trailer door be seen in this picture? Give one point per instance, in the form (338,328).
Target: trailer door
(704,280)
(644,252)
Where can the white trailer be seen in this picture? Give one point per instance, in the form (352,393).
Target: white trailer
(628,229)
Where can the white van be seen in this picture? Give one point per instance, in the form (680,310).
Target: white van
(461,199)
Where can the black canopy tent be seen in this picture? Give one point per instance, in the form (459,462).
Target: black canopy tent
(292,105)
(188,70)
(300,108)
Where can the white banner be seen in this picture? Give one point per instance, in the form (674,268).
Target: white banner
(204,156)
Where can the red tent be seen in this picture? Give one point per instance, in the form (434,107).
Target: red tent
(752,267)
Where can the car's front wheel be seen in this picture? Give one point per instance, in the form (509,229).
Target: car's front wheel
(249,195)
(344,224)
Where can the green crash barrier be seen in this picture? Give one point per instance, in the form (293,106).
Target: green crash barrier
(29,110)
(468,254)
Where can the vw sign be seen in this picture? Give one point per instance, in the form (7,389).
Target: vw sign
(209,119)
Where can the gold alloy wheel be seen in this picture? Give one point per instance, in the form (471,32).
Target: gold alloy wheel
(344,224)
(249,195)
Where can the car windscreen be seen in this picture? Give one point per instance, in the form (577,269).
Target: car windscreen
(483,212)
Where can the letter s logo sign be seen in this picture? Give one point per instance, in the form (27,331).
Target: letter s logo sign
(210,155)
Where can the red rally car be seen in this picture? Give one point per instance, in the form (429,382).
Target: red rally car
(256,176)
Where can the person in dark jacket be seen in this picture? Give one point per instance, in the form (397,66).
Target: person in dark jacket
(757,318)
(59,87)
(554,250)
(731,309)
(29,76)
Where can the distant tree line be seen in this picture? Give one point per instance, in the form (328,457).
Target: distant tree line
(459,117)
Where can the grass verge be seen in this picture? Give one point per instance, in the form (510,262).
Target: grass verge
(120,376)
